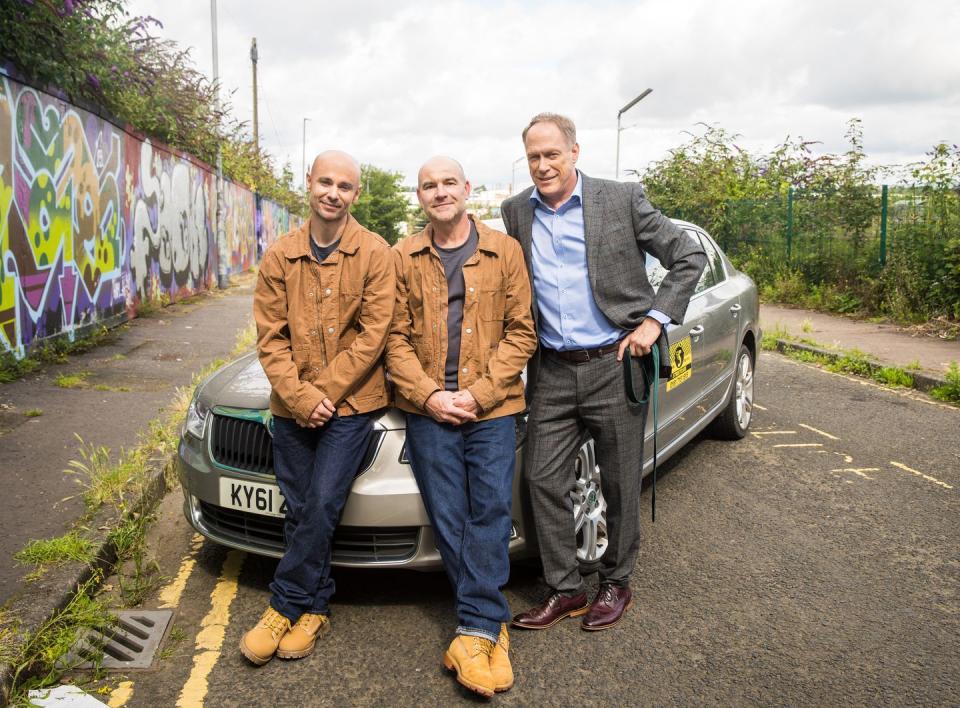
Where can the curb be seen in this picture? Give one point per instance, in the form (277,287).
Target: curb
(921,381)
(42,599)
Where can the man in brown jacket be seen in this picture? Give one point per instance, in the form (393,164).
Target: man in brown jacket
(462,332)
(323,304)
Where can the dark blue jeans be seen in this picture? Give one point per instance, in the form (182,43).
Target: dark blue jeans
(315,468)
(465,475)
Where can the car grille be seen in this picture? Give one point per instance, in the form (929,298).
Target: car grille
(351,544)
(246,445)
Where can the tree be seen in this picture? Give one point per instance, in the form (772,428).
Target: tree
(381,205)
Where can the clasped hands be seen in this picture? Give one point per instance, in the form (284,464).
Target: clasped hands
(320,415)
(454,407)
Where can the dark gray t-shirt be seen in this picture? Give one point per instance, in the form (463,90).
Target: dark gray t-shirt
(321,252)
(453,260)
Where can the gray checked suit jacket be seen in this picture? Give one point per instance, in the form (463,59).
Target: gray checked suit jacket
(620,227)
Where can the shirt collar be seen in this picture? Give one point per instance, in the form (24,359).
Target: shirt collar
(575,198)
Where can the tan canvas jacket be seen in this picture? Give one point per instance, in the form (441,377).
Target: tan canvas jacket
(496,337)
(322,327)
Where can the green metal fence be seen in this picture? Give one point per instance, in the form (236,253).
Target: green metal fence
(846,238)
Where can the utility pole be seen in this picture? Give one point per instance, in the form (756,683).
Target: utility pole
(256,124)
(619,129)
(222,255)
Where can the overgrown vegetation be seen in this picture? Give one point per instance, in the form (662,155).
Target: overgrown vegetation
(56,551)
(806,227)
(950,391)
(55,350)
(95,51)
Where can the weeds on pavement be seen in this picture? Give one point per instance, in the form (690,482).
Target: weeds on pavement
(77,380)
(950,391)
(112,482)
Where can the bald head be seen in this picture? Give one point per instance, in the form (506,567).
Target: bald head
(442,189)
(337,160)
(441,163)
(334,181)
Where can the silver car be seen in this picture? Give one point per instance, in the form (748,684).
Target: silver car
(226,453)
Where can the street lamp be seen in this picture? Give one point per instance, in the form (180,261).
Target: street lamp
(619,129)
(303,159)
(513,172)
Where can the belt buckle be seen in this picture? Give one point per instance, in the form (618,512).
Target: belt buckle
(580,356)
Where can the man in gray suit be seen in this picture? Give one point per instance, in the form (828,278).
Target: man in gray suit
(585,242)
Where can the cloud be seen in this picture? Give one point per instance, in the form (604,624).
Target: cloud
(395,83)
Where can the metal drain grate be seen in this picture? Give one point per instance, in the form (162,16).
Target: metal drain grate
(129,644)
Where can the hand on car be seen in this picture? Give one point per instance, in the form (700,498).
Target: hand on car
(641,339)
(321,414)
(443,408)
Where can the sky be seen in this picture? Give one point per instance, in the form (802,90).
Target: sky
(394,83)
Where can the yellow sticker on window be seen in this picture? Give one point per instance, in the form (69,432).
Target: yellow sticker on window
(681,359)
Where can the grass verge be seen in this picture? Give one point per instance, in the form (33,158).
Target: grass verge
(857,363)
(114,483)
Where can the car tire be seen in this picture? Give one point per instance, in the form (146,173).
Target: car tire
(589,510)
(734,421)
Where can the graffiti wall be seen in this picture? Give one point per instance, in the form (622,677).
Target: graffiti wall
(94,220)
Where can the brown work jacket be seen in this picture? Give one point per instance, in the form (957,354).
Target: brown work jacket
(496,337)
(322,327)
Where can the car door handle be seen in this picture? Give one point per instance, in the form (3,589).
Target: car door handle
(696,331)
(736,308)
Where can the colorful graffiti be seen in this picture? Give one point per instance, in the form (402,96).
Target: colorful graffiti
(94,220)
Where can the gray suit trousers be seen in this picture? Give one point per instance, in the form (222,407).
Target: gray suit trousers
(568,400)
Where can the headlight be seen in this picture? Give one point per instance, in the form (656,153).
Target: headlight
(196,418)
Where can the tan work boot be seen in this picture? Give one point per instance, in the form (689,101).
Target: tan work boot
(260,643)
(500,667)
(470,658)
(299,641)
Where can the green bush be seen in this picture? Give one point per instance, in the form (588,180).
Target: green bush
(950,391)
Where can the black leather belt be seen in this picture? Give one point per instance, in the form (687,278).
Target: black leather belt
(582,356)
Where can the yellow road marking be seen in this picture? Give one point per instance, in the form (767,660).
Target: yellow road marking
(858,471)
(921,474)
(121,694)
(819,432)
(800,445)
(774,432)
(759,407)
(213,629)
(170,595)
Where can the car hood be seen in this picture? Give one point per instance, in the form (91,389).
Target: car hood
(243,384)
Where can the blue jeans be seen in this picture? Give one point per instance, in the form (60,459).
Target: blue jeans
(465,475)
(315,468)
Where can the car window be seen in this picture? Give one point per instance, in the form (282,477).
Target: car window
(712,274)
(714,259)
(707,279)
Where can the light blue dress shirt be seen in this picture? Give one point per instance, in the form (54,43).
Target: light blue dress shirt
(569,316)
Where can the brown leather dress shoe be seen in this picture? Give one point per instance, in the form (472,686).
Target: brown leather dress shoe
(607,607)
(552,610)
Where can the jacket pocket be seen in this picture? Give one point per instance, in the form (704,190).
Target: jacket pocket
(349,308)
(492,303)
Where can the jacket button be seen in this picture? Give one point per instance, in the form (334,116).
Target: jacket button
(327,291)
(466,370)
(313,333)
(330,330)
(469,331)
(470,289)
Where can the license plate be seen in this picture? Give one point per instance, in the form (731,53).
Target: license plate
(255,497)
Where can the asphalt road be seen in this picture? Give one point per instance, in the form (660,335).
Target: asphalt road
(817,561)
